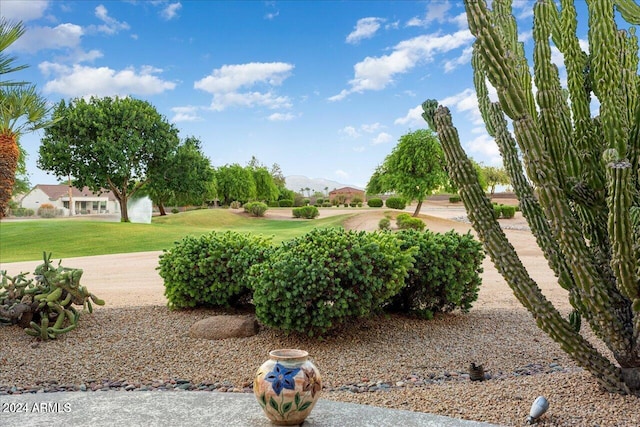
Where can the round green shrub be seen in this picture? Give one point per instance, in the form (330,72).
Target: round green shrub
(175,210)
(256,208)
(285,203)
(308,212)
(497,210)
(326,204)
(454,199)
(395,203)
(384,224)
(374,203)
(508,211)
(405,221)
(317,282)
(445,274)
(211,270)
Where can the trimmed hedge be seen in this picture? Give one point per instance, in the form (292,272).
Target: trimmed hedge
(285,203)
(395,203)
(405,221)
(308,212)
(445,275)
(211,270)
(508,211)
(326,278)
(455,199)
(374,203)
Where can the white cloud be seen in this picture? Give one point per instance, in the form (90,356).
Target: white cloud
(359,149)
(412,118)
(373,127)
(341,174)
(111,25)
(281,117)
(460,20)
(272,15)
(375,73)
(38,38)
(23,10)
(464,58)
(185,114)
(80,81)
(382,138)
(226,82)
(485,147)
(436,11)
(171,11)
(365,29)
(350,131)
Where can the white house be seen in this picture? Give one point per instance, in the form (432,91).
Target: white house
(84,200)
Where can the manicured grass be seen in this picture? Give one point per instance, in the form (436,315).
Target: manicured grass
(26,240)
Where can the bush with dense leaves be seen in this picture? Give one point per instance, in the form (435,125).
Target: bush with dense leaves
(375,203)
(308,212)
(395,203)
(454,199)
(318,282)
(384,224)
(445,275)
(211,270)
(508,211)
(405,221)
(285,203)
(256,208)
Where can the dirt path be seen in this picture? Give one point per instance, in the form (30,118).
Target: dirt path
(132,279)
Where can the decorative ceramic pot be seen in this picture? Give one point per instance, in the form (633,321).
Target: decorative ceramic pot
(287,386)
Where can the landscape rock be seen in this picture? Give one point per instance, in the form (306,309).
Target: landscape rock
(224,326)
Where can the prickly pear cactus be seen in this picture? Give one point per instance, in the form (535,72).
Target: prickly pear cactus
(577,177)
(45,307)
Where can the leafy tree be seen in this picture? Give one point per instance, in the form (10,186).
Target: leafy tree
(114,143)
(414,168)
(185,178)
(266,189)
(235,183)
(494,176)
(22,109)
(277,175)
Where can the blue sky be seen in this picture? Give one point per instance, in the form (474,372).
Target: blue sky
(325,89)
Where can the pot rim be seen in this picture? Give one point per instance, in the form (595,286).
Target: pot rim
(288,354)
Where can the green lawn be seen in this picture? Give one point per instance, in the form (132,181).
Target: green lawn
(26,240)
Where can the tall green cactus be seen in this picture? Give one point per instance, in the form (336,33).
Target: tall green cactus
(580,187)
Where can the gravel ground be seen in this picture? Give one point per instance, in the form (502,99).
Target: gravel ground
(390,361)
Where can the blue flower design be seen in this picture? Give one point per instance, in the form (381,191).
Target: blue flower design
(282,377)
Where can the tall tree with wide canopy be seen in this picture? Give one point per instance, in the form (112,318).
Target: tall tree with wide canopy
(108,143)
(235,183)
(186,178)
(414,168)
(22,110)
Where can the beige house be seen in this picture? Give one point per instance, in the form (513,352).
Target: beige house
(83,201)
(346,193)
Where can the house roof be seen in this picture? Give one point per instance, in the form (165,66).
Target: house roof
(347,190)
(60,190)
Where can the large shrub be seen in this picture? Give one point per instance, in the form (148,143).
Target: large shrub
(285,203)
(395,203)
(375,203)
(210,270)
(256,208)
(508,211)
(308,212)
(405,221)
(317,282)
(445,275)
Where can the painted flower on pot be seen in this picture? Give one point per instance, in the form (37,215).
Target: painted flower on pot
(282,377)
(311,382)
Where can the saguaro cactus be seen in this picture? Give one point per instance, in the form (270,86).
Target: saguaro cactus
(580,186)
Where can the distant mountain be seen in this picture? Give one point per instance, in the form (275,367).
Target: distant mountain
(296,182)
